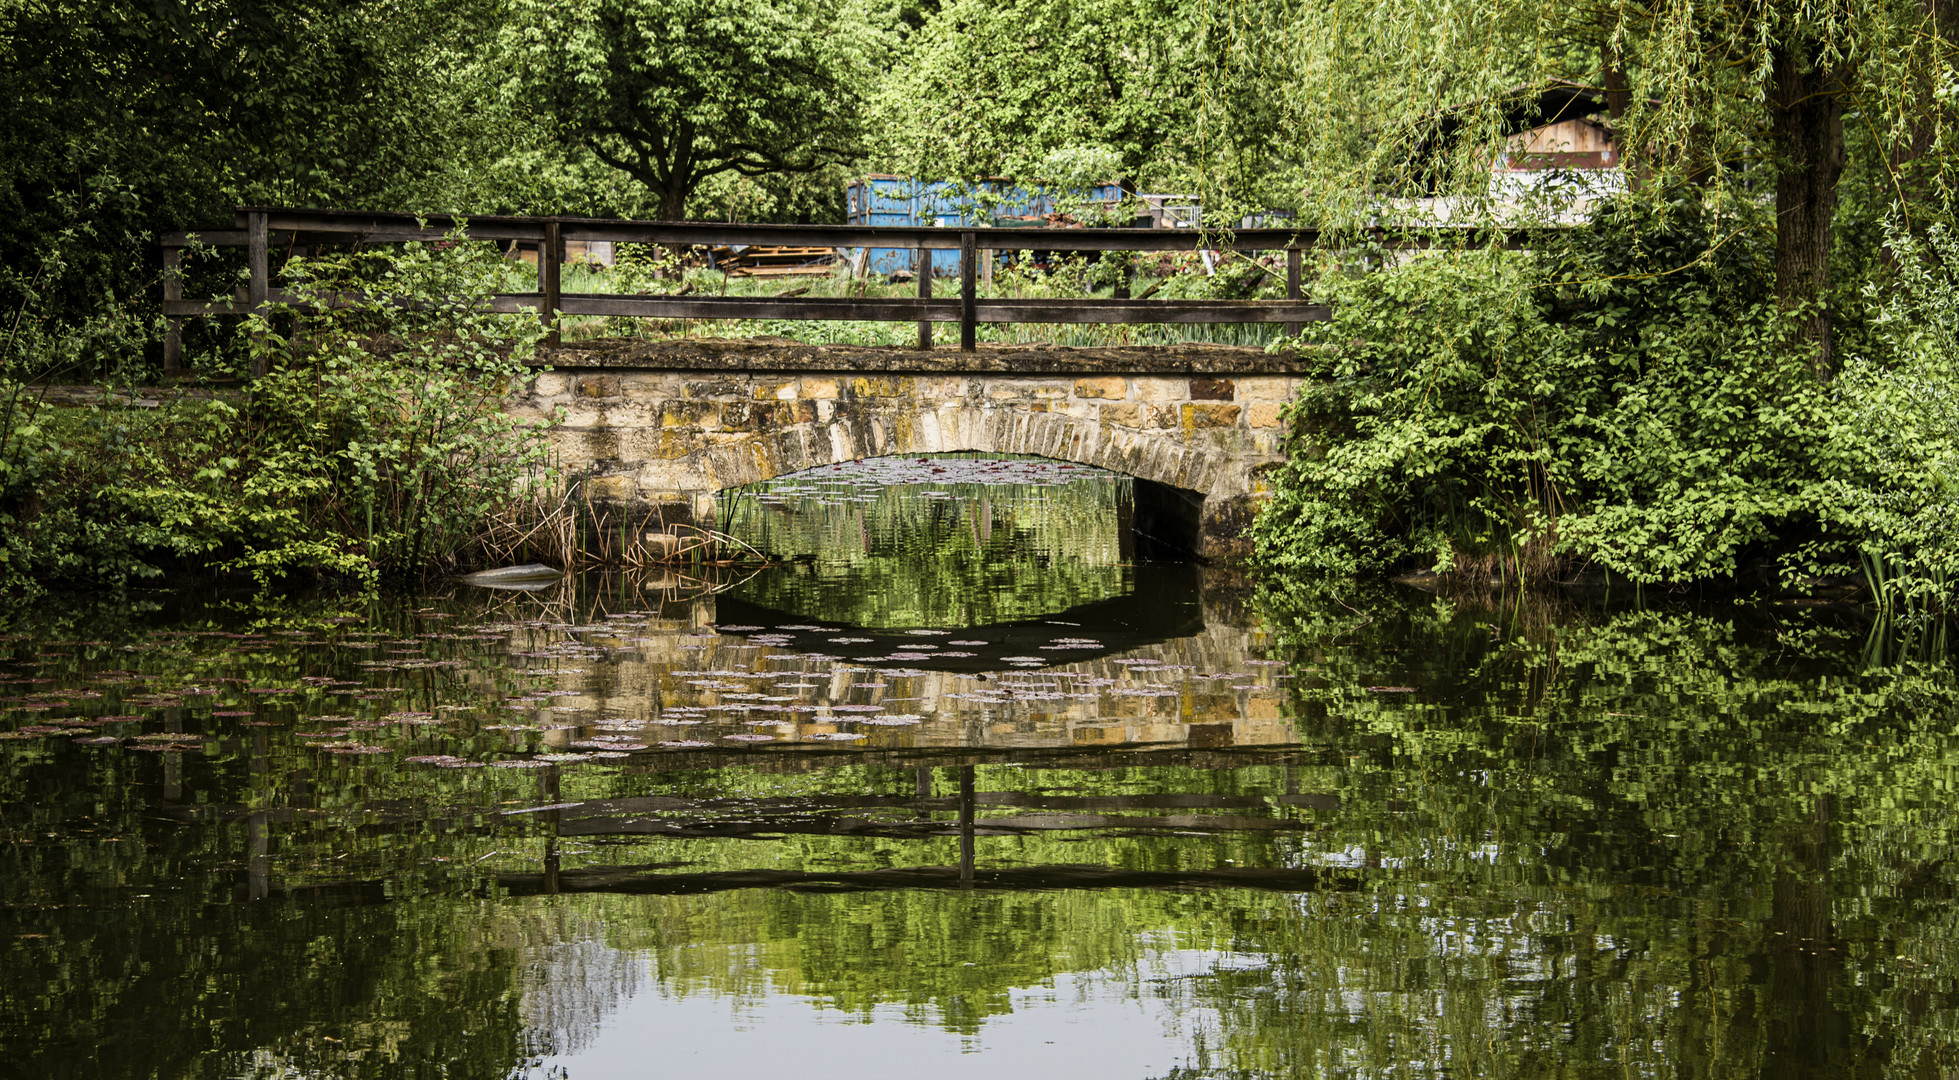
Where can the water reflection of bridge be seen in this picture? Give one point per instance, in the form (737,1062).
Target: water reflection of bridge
(1167,669)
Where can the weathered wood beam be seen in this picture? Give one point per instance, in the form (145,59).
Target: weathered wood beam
(968,291)
(259,285)
(1019,878)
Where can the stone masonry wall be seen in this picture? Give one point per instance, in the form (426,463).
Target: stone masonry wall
(669,440)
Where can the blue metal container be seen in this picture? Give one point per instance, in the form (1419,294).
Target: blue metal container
(881,199)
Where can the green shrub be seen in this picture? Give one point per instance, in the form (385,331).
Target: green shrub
(377,444)
(1630,398)
(1904,401)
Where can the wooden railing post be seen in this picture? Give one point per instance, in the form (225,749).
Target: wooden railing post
(924,293)
(550,260)
(258,289)
(1294,268)
(173,327)
(968,291)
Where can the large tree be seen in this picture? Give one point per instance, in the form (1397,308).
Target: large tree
(118,121)
(1027,86)
(674,92)
(1739,98)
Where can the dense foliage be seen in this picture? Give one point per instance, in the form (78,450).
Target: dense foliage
(1743,362)
(377,445)
(1620,400)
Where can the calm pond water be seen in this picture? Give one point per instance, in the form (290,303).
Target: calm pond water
(964,791)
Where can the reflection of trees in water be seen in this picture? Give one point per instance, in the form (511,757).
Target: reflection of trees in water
(1588,843)
(570,986)
(990,553)
(1654,841)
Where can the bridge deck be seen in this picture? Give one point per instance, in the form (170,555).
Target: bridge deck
(772,354)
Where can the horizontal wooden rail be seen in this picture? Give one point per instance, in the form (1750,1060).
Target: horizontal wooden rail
(817,309)
(264,229)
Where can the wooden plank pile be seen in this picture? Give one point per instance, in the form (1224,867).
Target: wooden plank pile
(773,262)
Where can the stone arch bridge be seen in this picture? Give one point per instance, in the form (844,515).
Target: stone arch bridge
(665,426)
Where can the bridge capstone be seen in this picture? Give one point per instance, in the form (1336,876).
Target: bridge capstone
(666,426)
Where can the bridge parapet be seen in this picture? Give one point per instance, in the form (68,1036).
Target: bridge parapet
(666,426)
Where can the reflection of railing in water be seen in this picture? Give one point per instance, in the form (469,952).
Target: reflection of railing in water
(552,879)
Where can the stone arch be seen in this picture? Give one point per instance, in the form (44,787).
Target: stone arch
(672,440)
(1173,481)
(854,434)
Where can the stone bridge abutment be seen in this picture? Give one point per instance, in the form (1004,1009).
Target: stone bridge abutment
(666,426)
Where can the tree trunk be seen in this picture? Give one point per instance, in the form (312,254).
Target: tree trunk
(1806,107)
(1807,1035)
(673,200)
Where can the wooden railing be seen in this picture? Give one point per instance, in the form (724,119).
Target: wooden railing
(260,229)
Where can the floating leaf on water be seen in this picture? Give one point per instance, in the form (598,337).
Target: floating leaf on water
(1390,689)
(679,744)
(749,738)
(519,763)
(97,740)
(354,748)
(835,736)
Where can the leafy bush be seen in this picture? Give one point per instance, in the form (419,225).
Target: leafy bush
(377,445)
(1905,401)
(1632,399)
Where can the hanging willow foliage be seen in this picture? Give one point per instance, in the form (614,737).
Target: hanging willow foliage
(1375,102)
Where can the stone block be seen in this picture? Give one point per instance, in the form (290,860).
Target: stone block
(580,415)
(611,488)
(1113,387)
(1027,390)
(1126,413)
(887,386)
(816,388)
(1211,390)
(717,386)
(942,388)
(689,414)
(1156,391)
(1263,414)
(651,386)
(742,415)
(1199,417)
(1266,388)
(773,391)
(550,384)
(596,386)
(1161,416)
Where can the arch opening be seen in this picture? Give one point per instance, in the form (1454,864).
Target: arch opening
(952,539)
